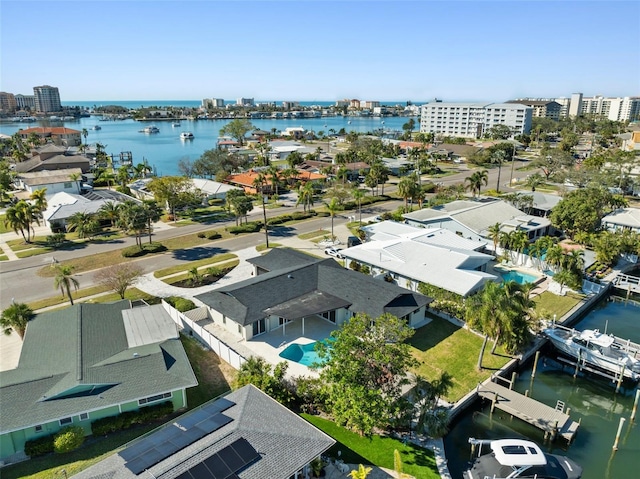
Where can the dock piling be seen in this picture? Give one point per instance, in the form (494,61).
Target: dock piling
(615,444)
(635,405)
(535,364)
(620,379)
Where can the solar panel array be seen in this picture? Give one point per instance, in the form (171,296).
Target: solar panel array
(176,436)
(224,464)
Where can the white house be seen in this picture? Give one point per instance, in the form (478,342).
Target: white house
(55,181)
(623,219)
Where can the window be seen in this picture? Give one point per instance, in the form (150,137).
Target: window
(157,397)
(65,421)
(84,416)
(259,327)
(38,428)
(330,315)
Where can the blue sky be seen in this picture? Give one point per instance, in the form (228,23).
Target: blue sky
(320,50)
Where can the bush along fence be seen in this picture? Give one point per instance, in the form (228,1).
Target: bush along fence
(223,350)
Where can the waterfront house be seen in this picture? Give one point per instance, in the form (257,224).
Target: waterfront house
(472,219)
(66,180)
(245,435)
(53,157)
(408,256)
(294,288)
(59,135)
(87,362)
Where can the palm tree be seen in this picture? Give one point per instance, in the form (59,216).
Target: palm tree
(85,133)
(519,241)
(110,210)
(476,180)
(76,177)
(305,196)
(494,235)
(274,177)
(20,217)
(64,280)
(85,224)
(39,198)
(361,473)
(562,278)
(196,276)
(15,318)
(333,207)
(407,189)
(357,195)
(498,157)
(152,213)
(554,256)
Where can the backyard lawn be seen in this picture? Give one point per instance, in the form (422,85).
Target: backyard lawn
(377,450)
(549,304)
(442,346)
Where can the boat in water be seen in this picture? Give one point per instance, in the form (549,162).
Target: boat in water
(602,351)
(96,127)
(150,129)
(186,135)
(175,124)
(518,458)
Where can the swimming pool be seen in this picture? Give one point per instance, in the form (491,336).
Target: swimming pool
(305,354)
(518,277)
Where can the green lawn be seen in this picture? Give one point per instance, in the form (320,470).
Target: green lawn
(377,450)
(263,247)
(441,346)
(161,273)
(549,304)
(225,267)
(312,234)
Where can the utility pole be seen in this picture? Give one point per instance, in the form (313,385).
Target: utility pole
(264,213)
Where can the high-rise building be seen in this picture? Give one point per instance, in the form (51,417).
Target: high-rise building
(7,102)
(245,102)
(473,120)
(47,99)
(612,108)
(542,108)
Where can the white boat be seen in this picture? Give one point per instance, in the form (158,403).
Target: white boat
(175,123)
(604,351)
(150,129)
(518,458)
(96,127)
(186,135)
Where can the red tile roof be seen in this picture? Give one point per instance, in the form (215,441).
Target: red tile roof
(51,130)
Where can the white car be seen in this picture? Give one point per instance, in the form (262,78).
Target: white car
(335,252)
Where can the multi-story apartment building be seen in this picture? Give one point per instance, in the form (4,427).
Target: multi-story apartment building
(25,102)
(290,105)
(245,102)
(209,103)
(474,119)
(612,108)
(542,108)
(7,102)
(343,103)
(370,104)
(47,99)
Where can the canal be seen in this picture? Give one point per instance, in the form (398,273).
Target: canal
(592,401)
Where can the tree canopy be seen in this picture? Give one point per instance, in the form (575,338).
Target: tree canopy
(366,363)
(237,129)
(581,210)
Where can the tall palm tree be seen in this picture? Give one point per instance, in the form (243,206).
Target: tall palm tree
(85,133)
(497,158)
(64,280)
(110,210)
(357,195)
(152,213)
(494,234)
(39,198)
(333,207)
(15,318)
(519,241)
(305,196)
(76,177)
(85,224)
(20,218)
(487,311)
(554,256)
(274,176)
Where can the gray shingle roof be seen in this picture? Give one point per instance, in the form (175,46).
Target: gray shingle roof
(71,350)
(248,301)
(285,442)
(279,258)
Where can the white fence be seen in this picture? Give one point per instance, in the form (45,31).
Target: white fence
(231,356)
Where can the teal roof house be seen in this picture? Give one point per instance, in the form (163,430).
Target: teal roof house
(87,362)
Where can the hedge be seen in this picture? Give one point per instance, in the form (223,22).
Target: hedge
(181,304)
(134,251)
(251,227)
(38,447)
(106,425)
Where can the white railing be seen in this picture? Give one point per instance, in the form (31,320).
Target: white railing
(223,350)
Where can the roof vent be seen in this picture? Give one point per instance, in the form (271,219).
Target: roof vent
(135,355)
(289,276)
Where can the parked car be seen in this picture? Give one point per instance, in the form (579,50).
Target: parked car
(353,241)
(335,252)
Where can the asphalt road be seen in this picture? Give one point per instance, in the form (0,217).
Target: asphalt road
(19,280)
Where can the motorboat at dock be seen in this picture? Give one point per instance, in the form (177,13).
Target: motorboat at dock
(590,347)
(518,458)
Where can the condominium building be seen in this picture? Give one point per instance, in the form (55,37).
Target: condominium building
(474,119)
(370,104)
(290,105)
(611,108)
(47,99)
(25,102)
(542,108)
(209,103)
(245,102)
(7,102)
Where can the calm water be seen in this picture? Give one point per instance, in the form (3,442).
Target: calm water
(165,149)
(592,400)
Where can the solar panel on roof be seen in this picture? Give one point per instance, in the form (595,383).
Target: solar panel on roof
(170,439)
(226,463)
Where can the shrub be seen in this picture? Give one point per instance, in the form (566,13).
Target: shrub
(38,447)
(181,304)
(107,425)
(55,240)
(213,235)
(202,235)
(135,251)
(355,266)
(68,439)
(251,227)
(298,215)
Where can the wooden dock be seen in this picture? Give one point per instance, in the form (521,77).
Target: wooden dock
(628,283)
(553,421)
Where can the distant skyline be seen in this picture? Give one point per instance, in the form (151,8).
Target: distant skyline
(320,50)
